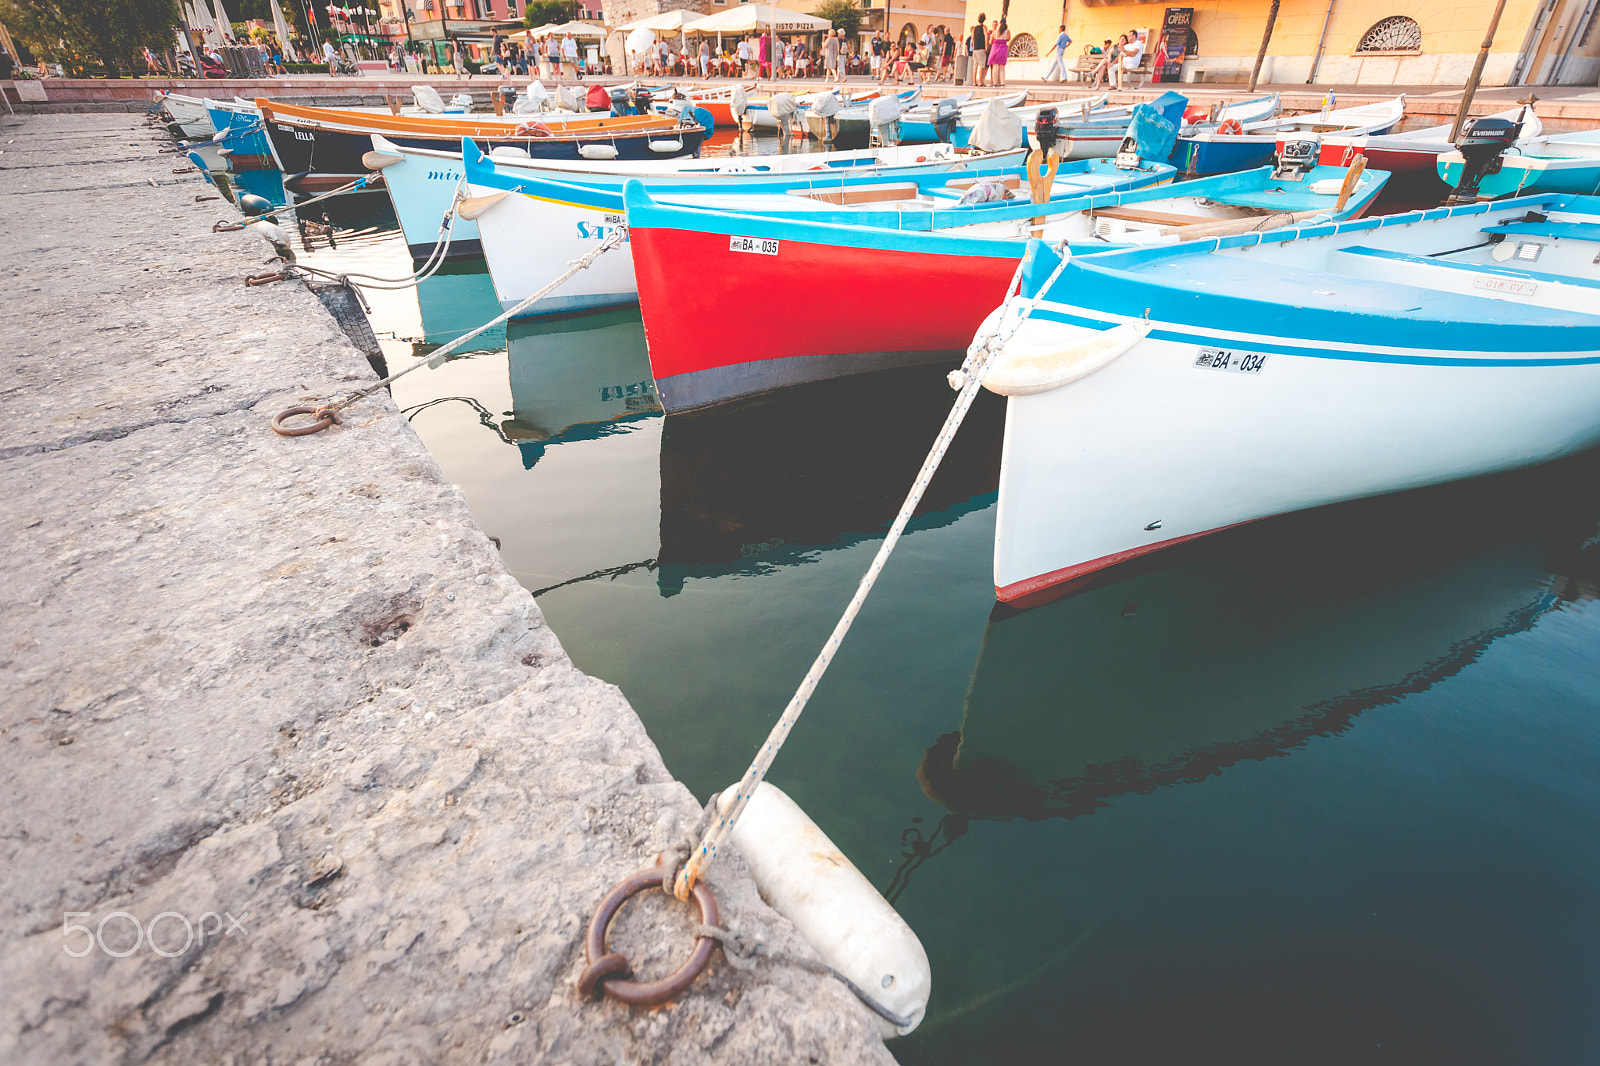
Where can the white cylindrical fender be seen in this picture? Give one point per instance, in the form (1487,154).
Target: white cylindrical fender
(597,151)
(666,146)
(1043,356)
(509,151)
(808,880)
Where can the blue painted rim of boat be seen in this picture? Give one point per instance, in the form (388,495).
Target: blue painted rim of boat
(1184,333)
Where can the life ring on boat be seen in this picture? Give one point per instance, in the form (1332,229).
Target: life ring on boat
(1231,127)
(533,129)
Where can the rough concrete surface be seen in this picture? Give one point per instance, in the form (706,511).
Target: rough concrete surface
(284,691)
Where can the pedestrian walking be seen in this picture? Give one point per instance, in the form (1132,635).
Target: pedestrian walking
(1058,66)
(830,59)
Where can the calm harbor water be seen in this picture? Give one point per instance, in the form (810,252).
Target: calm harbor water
(1321,790)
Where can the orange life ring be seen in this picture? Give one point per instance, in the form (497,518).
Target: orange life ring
(1231,127)
(533,129)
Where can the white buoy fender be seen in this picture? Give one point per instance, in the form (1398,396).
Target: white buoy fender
(805,878)
(597,151)
(666,146)
(1042,356)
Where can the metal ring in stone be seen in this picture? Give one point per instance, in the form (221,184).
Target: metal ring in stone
(603,964)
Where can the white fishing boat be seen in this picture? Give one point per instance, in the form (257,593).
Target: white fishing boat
(189,115)
(1240,145)
(423,183)
(531,224)
(1161,394)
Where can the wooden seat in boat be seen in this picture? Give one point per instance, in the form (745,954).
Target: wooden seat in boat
(865,194)
(1158,218)
(963,184)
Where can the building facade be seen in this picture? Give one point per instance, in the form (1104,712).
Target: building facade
(1337,42)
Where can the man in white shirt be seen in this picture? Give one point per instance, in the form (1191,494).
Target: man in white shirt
(1132,52)
(1058,70)
(330,57)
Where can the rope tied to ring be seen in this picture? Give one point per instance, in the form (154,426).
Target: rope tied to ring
(436,359)
(967,380)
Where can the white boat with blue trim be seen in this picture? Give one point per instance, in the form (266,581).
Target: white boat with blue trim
(1160,394)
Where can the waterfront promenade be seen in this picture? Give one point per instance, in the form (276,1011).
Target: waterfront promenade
(292,767)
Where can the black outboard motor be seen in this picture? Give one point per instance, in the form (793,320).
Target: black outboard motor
(619,101)
(946,112)
(1297,159)
(1045,130)
(1482,146)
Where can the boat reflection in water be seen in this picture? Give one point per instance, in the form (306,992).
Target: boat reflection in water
(749,487)
(1252,646)
(575,377)
(456,300)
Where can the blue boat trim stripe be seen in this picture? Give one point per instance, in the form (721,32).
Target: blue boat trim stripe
(1274,346)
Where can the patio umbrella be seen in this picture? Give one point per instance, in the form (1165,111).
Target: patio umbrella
(224,27)
(750,17)
(666,21)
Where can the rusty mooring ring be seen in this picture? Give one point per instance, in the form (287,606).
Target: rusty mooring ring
(324,416)
(607,971)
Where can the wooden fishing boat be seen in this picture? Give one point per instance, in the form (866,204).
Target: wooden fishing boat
(424,182)
(188,116)
(1239,145)
(719,101)
(241,135)
(907,276)
(1412,151)
(570,217)
(322,148)
(1184,390)
(1562,162)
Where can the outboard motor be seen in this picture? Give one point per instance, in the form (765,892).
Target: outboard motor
(1127,157)
(619,101)
(1297,159)
(1482,146)
(946,113)
(1045,130)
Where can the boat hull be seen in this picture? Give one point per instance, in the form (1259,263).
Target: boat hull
(713,344)
(1521,175)
(1167,443)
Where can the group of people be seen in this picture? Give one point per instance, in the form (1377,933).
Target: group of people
(930,58)
(1116,64)
(988,47)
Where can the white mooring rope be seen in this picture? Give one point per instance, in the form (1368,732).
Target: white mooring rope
(979,354)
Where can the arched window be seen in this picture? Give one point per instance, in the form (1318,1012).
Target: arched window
(1394,34)
(1023,46)
(908,35)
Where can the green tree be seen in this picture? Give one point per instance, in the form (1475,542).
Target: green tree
(112,31)
(844,14)
(544,12)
